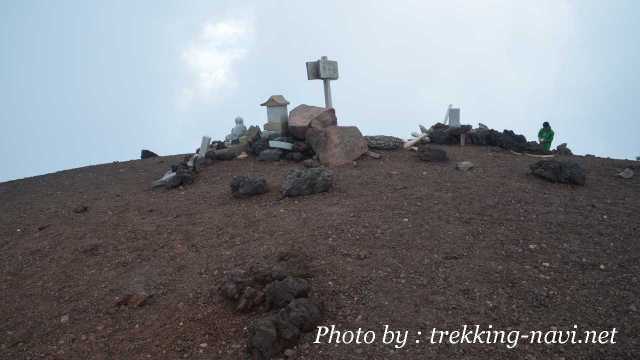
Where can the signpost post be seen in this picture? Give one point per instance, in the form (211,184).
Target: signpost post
(326,70)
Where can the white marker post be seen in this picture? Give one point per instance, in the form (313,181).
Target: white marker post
(326,70)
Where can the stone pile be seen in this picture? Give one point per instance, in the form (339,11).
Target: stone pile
(283,296)
(445,135)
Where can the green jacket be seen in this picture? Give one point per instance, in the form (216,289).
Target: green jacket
(546,137)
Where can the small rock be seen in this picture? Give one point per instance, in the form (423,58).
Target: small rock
(626,173)
(464,165)
(289,353)
(135,299)
(146,154)
(373,155)
(225,154)
(64,319)
(245,186)
(294,156)
(311,163)
(270,155)
(80,209)
(243,155)
(427,153)
(280,145)
(564,150)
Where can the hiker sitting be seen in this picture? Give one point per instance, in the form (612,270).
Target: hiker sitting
(545,136)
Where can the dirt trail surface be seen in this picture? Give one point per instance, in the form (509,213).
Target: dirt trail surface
(397,241)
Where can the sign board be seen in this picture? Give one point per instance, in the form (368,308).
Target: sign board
(313,70)
(322,69)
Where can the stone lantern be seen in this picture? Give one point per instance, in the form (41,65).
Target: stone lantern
(277,114)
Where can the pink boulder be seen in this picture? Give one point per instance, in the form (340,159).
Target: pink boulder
(303,117)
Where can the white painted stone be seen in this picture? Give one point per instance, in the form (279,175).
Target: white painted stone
(280,145)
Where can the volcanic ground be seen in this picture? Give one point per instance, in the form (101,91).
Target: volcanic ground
(397,241)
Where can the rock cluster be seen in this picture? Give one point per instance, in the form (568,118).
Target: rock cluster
(283,298)
(507,139)
(567,172)
(179,174)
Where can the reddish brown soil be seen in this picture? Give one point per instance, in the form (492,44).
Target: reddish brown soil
(398,241)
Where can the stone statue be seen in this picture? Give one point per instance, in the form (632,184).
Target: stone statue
(238,131)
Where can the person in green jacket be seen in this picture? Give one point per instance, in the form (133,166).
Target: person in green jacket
(545,136)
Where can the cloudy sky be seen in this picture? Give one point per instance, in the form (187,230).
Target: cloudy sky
(88,82)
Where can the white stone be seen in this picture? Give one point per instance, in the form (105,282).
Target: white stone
(464,165)
(626,174)
(280,145)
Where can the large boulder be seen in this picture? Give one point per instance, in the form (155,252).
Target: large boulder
(245,186)
(307,181)
(302,117)
(567,172)
(384,142)
(337,145)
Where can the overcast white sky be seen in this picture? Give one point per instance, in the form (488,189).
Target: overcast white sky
(87,82)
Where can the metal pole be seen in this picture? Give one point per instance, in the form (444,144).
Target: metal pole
(327,93)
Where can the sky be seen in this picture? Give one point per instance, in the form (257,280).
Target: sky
(90,82)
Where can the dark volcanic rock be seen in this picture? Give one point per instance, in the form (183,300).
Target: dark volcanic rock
(568,172)
(294,156)
(383,142)
(225,154)
(146,154)
(244,186)
(270,155)
(427,153)
(311,163)
(261,144)
(564,150)
(263,339)
(280,293)
(270,335)
(309,181)
(80,209)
